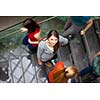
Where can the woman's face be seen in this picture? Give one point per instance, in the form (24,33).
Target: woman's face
(53,40)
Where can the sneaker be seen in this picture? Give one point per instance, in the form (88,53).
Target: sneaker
(29,57)
(31,52)
(71,37)
(54,61)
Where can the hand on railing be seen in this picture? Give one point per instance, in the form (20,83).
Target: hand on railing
(82,32)
(23,29)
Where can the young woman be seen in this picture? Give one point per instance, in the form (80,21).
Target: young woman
(33,37)
(47,49)
(62,75)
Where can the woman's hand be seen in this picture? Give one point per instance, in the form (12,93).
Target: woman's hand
(82,32)
(40,62)
(23,29)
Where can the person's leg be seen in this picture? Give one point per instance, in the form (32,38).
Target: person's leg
(25,40)
(73,29)
(32,49)
(47,67)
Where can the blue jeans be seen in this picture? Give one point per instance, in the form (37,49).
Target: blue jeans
(25,42)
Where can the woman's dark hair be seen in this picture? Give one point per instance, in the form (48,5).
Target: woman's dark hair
(30,24)
(56,34)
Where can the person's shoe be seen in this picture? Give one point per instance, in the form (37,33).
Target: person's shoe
(29,57)
(54,61)
(98,31)
(31,52)
(70,37)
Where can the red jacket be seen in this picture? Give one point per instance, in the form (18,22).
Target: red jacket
(32,38)
(59,65)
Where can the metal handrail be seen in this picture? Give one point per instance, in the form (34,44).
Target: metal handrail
(13,25)
(20,22)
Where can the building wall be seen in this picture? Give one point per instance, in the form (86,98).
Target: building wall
(6,21)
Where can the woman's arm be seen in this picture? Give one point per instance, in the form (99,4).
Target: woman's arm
(38,36)
(39,61)
(63,41)
(40,52)
(23,29)
(31,42)
(88,25)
